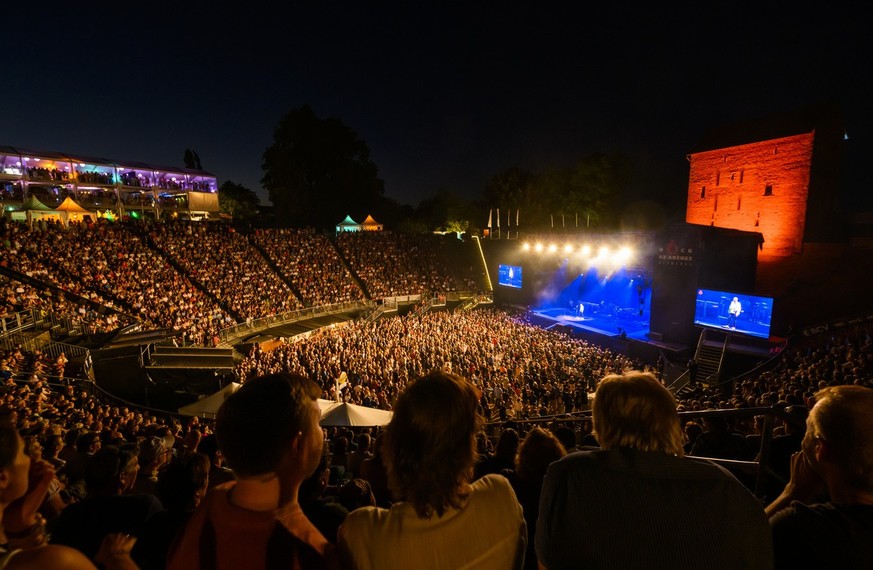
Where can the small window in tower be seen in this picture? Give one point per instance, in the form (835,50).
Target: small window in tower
(715,208)
(703,193)
(741,175)
(768,190)
(739,202)
(732,175)
(717,178)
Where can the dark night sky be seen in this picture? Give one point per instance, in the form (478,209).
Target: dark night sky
(444,96)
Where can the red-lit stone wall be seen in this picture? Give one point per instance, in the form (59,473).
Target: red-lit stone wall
(758,187)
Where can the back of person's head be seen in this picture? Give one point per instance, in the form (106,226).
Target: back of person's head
(356,493)
(182,483)
(796,422)
(151,451)
(314,486)
(430,443)
(507,444)
(842,418)
(566,436)
(256,424)
(537,451)
(635,410)
(209,447)
(86,441)
(112,470)
(363,440)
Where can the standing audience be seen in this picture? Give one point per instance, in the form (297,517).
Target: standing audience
(268,431)
(638,503)
(442,519)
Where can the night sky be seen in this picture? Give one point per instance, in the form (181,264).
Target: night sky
(444,96)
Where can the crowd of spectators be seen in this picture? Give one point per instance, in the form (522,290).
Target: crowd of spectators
(309,260)
(227,266)
(393,264)
(224,279)
(522,370)
(16,296)
(113,266)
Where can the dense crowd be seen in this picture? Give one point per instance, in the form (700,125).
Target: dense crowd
(522,370)
(392,264)
(109,467)
(307,259)
(198,278)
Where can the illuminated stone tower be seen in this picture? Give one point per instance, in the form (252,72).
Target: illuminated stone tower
(778,176)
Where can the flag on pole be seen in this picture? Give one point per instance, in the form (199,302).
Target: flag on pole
(516,217)
(489,218)
(498,218)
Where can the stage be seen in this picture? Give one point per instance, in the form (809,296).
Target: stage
(605,329)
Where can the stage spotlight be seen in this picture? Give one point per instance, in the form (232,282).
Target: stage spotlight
(568,248)
(553,248)
(603,252)
(586,249)
(538,247)
(625,254)
(525,246)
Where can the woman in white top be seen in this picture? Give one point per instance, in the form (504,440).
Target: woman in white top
(442,520)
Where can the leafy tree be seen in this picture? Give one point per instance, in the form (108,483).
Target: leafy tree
(594,185)
(444,209)
(588,192)
(515,189)
(318,170)
(238,201)
(192,160)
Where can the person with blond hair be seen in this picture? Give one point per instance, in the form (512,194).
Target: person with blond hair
(442,518)
(638,502)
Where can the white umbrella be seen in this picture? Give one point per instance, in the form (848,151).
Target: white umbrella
(343,414)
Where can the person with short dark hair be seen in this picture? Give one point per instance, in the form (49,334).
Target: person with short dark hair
(637,502)
(824,517)
(443,520)
(268,431)
(181,486)
(108,506)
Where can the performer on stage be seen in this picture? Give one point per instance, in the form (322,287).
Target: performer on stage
(733,312)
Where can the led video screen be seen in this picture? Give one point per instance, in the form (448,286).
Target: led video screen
(509,276)
(735,312)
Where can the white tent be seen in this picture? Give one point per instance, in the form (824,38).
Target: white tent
(207,407)
(343,414)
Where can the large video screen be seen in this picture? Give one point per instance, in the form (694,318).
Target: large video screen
(734,312)
(509,276)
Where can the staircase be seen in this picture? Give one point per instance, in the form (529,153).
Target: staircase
(709,358)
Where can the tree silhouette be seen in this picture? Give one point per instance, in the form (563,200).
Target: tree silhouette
(318,170)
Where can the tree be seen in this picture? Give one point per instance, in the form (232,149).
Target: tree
(192,160)
(238,201)
(318,170)
(592,188)
(516,189)
(446,211)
